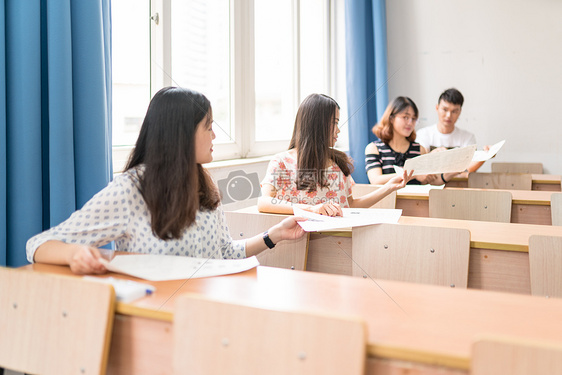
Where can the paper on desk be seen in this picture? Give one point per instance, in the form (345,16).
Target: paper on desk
(352,217)
(171,267)
(455,160)
(481,155)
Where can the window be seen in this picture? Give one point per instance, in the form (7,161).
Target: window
(254,60)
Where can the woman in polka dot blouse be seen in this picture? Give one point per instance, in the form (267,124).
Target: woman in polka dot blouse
(164,203)
(312,174)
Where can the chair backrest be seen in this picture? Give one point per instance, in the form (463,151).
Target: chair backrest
(535,168)
(463,204)
(509,181)
(213,337)
(411,253)
(545,261)
(556,208)
(360,190)
(287,254)
(515,356)
(52,324)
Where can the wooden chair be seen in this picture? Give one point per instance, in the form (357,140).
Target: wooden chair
(545,261)
(556,208)
(54,324)
(508,181)
(463,204)
(360,190)
(411,253)
(535,168)
(287,254)
(505,355)
(212,337)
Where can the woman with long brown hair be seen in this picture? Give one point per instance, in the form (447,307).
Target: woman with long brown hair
(312,174)
(164,203)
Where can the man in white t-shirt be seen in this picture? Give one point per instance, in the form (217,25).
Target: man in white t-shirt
(444,134)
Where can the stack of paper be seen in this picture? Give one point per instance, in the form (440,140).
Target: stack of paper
(170,267)
(352,217)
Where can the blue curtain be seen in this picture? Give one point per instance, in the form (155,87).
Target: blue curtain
(366,75)
(55,121)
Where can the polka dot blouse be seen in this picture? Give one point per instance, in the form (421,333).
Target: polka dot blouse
(118,213)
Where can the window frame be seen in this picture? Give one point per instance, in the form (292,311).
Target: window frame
(242,66)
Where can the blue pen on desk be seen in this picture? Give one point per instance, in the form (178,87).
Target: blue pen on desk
(149,289)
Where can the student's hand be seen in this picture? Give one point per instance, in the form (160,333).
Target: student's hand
(327,209)
(288,229)
(86,260)
(399,181)
(425,179)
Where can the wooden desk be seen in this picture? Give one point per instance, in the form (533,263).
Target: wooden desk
(413,328)
(499,252)
(546,182)
(528,207)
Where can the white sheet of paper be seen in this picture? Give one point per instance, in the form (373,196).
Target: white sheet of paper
(421,189)
(352,217)
(455,160)
(171,267)
(481,155)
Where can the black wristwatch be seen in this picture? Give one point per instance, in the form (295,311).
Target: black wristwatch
(267,240)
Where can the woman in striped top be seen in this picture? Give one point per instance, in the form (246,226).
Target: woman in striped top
(396,133)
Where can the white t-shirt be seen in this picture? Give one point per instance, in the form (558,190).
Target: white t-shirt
(430,138)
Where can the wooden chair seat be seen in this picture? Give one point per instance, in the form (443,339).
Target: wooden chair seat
(545,261)
(410,253)
(462,204)
(212,337)
(287,254)
(53,324)
(508,181)
(494,355)
(556,208)
(533,168)
(360,190)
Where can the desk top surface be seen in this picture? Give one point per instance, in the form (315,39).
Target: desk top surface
(490,235)
(535,197)
(537,178)
(483,234)
(422,323)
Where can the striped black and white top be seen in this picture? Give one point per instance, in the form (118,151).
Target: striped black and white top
(388,158)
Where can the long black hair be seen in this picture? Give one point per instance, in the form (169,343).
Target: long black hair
(172,184)
(312,136)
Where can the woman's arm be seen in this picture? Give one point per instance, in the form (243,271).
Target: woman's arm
(377,178)
(395,183)
(82,259)
(288,229)
(270,204)
(374,172)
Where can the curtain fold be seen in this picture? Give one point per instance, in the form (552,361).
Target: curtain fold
(366,75)
(55,129)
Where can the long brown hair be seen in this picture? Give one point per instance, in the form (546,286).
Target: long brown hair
(384,129)
(312,135)
(172,184)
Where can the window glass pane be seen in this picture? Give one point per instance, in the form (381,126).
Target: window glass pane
(201,55)
(131,68)
(313,52)
(273,30)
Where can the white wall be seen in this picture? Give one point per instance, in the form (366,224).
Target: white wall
(505,56)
